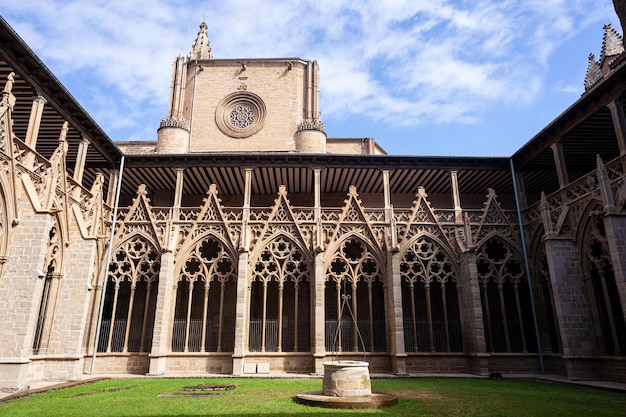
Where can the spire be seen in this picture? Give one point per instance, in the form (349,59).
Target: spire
(594,73)
(201,49)
(612,43)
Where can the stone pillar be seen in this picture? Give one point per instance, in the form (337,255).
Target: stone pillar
(242,309)
(242,313)
(318,288)
(395,320)
(559,162)
(319,313)
(34,121)
(20,296)
(163,316)
(69,323)
(456,197)
(619,123)
(471,310)
(81,157)
(575,325)
(615,227)
(113,176)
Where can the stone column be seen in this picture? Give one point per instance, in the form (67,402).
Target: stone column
(70,320)
(113,179)
(559,162)
(395,319)
(34,121)
(319,314)
(456,197)
(81,157)
(575,325)
(318,288)
(242,309)
(163,316)
(471,310)
(619,123)
(242,313)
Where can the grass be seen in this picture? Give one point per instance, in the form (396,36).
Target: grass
(274,397)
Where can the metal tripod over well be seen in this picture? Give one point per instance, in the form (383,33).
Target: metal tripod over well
(345,298)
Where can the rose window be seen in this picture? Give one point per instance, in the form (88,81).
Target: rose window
(242,116)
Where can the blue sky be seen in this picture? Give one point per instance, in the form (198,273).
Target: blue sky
(433,77)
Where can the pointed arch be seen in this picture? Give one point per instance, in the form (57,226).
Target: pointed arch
(429,296)
(6,220)
(354,272)
(132,283)
(205,282)
(280,287)
(53,269)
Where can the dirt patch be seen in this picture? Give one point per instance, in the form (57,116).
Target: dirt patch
(419,395)
(208,387)
(100,391)
(200,390)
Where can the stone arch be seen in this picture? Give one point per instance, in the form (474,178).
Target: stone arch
(6,218)
(130,298)
(430,301)
(205,283)
(507,311)
(53,271)
(599,282)
(280,289)
(354,278)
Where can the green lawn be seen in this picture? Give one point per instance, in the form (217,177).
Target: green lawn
(273,397)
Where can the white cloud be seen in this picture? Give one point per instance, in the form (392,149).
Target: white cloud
(398,61)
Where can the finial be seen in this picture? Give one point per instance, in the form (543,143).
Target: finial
(612,43)
(201,48)
(594,73)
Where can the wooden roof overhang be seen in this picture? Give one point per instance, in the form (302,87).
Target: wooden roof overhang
(584,130)
(296,172)
(33,78)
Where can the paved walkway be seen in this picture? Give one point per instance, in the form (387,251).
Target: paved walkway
(42,386)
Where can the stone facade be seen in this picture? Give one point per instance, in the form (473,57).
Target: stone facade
(238,244)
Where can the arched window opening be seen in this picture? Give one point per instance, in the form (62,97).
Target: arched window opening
(507,311)
(130,301)
(429,299)
(354,280)
(280,299)
(204,316)
(48,298)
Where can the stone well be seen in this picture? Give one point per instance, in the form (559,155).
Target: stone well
(346,379)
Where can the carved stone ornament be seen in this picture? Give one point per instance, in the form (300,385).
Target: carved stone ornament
(240,114)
